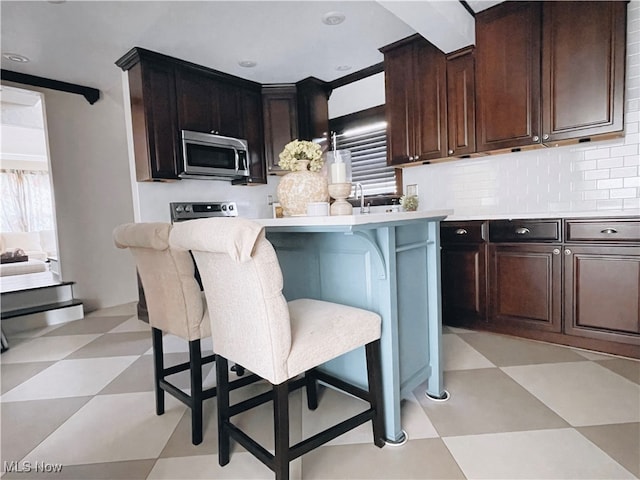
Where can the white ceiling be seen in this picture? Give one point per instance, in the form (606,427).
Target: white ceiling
(79,41)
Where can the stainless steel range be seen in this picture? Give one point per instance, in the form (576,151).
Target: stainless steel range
(181,211)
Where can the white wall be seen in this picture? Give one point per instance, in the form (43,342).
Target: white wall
(90,173)
(599,179)
(356,96)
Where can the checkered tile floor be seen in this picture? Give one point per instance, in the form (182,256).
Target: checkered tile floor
(80,395)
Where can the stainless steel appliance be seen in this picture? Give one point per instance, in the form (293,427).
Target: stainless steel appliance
(214,157)
(181,211)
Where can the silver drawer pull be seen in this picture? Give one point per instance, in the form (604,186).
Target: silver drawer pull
(522,230)
(556,251)
(609,231)
(461,231)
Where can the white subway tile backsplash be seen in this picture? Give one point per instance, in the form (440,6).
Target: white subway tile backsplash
(626,150)
(597,174)
(598,153)
(623,172)
(631,138)
(611,183)
(631,203)
(631,182)
(596,195)
(631,160)
(584,165)
(623,193)
(616,204)
(584,186)
(613,162)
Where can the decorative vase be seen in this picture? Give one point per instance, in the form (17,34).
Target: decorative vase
(300,187)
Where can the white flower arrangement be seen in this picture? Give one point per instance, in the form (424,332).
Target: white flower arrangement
(409,202)
(301,150)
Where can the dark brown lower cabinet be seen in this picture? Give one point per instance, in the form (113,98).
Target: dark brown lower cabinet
(526,286)
(574,282)
(602,292)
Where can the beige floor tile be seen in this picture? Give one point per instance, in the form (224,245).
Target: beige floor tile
(70,378)
(132,325)
(459,355)
(111,428)
(506,351)
(26,424)
(132,470)
(620,441)
(203,467)
(13,374)
(179,443)
(173,344)
(46,349)
(417,459)
(629,369)
(544,454)
(115,345)
(88,325)
(130,309)
(581,392)
(486,401)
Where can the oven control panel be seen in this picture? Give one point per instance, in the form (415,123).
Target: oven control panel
(181,211)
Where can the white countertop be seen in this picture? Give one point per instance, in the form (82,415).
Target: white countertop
(352,220)
(525,216)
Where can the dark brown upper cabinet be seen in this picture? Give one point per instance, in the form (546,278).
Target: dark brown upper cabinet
(508,76)
(461,102)
(583,68)
(415,88)
(280,112)
(313,109)
(154,117)
(549,73)
(169,95)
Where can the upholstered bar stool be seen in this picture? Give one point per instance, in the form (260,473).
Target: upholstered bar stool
(253,325)
(177,306)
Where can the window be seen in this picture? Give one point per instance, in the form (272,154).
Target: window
(364,133)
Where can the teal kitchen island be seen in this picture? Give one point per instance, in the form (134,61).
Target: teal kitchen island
(388,263)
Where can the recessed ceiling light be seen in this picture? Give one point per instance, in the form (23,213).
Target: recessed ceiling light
(343,68)
(247,63)
(15,57)
(333,18)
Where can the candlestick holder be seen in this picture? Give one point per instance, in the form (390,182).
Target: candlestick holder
(339,173)
(340,192)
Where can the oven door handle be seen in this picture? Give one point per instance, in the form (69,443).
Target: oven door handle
(237,160)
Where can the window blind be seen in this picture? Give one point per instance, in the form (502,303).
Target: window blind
(368,146)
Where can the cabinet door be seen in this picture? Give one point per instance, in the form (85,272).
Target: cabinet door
(464,284)
(313,109)
(398,74)
(461,103)
(153,111)
(602,290)
(430,102)
(252,130)
(525,286)
(280,123)
(197,102)
(508,75)
(583,69)
(228,119)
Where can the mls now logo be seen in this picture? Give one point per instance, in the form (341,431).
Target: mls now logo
(28,467)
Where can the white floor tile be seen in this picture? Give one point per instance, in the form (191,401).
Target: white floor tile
(583,393)
(70,378)
(174,344)
(459,355)
(540,454)
(124,309)
(132,325)
(46,349)
(111,428)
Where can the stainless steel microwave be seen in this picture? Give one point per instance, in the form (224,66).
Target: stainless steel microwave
(210,156)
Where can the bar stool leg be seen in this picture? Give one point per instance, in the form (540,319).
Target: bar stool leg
(281,423)
(158,368)
(374,374)
(195,368)
(312,389)
(222,395)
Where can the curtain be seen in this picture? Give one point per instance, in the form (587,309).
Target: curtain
(26,201)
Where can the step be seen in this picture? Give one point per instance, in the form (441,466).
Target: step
(31,318)
(35,297)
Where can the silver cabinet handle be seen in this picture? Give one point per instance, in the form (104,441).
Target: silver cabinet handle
(609,231)
(461,231)
(567,252)
(545,136)
(450,152)
(556,251)
(535,138)
(522,230)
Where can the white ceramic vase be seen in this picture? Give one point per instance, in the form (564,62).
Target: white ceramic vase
(300,187)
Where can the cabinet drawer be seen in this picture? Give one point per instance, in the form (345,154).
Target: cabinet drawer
(462,232)
(524,230)
(602,230)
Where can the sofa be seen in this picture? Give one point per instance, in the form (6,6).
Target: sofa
(37,246)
